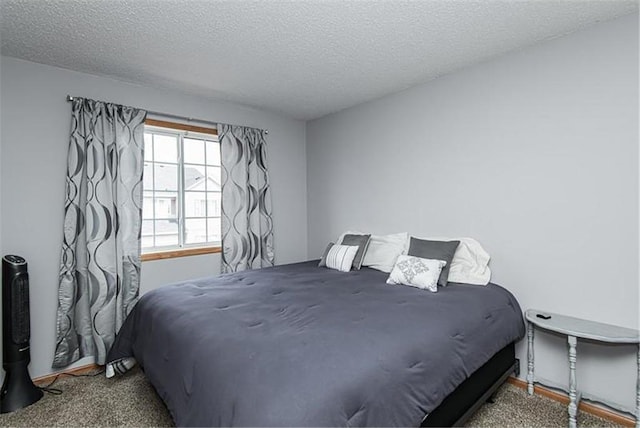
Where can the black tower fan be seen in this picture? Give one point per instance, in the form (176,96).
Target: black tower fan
(18,390)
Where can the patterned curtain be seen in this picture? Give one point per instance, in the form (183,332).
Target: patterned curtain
(100,260)
(247,224)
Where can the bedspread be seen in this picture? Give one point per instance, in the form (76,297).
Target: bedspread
(299,345)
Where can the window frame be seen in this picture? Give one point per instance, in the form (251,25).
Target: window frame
(158,253)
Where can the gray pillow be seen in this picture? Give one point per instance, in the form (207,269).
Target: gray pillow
(362,241)
(323,261)
(436,250)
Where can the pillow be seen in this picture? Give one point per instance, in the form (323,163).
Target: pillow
(384,250)
(362,241)
(340,257)
(323,260)
(470,264)
(416,272)
(435,250)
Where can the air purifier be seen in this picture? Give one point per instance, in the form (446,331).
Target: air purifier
(18,390)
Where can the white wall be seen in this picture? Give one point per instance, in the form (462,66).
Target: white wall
(535,154)
(35,123)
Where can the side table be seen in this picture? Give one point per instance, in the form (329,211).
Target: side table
(575,328)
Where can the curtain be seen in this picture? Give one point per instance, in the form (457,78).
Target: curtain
(100,258)
(247,223)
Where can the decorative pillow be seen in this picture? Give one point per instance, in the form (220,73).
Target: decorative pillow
(384,250)
(340,257)
(435,250)
(362,241)
(416,272)
(323,260)
(470,264)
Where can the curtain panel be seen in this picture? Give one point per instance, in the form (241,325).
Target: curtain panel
(100,259)
(247,223)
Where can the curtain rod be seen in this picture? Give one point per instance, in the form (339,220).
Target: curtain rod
(172,116)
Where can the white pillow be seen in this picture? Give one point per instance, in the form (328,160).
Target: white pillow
(416,272)
(470,264)
(384,250)
(340,257)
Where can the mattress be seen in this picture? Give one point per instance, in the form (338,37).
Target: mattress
(299,345)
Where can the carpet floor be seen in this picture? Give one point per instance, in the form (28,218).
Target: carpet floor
(130,400)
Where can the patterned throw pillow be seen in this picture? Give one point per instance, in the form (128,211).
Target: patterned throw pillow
(416,272)
(340,257)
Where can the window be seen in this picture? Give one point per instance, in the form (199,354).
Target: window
(182,184)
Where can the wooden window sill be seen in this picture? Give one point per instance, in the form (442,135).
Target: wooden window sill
(171,254)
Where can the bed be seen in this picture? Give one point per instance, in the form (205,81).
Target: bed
(300,345)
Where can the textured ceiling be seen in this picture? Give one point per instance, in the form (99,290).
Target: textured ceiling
(304,59)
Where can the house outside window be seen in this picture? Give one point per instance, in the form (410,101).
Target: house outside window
(181,190)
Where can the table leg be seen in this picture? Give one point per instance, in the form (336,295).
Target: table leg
(573,398)
(530,358)
(638,392)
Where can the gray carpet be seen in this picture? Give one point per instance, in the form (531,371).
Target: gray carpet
(130,400)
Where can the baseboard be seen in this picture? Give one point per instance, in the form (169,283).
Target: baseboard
(583,406)
(43,380)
